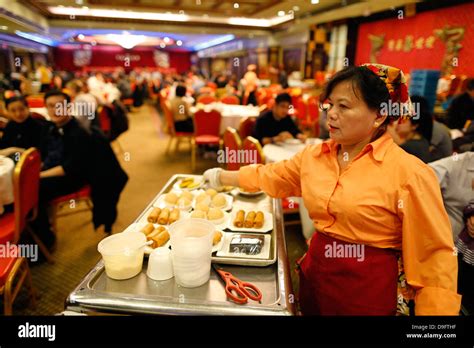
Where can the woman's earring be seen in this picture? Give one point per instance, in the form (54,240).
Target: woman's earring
(376,124)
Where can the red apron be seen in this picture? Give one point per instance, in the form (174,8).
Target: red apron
(331,284)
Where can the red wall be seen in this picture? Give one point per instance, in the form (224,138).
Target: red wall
(421,25)
(106,56)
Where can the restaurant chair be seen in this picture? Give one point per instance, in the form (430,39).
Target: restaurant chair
(246,126)
(35,101)
(252,144)
(55,206)
(232,142)
(206,131)
(212,85)
(206,99)
(207,91)
(230,100)
(14,271)
(289,206)
(178,136)
(313,113)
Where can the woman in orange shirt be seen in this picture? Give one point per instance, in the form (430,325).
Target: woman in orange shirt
(370,202)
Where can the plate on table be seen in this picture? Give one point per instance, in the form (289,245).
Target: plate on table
(136,227)
(249,194)
(190,182)
(267,223)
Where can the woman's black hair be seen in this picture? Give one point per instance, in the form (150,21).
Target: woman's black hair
(180,91)
(16,98)
(423,117)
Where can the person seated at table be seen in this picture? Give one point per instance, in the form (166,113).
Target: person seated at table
(456,177)
(441,142)
(414,134)
(363,191)
(85,103)
(461,108)
(183,121)
(276,125)
(22,131)
(77,157)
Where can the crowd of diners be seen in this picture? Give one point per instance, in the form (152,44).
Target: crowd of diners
(413,160)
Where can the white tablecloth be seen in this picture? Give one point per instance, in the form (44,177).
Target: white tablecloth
(6,181)
(279,152)
(231,114)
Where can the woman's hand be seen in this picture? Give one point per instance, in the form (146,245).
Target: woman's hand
(218,177)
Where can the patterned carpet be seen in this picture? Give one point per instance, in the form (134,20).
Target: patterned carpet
(143,158)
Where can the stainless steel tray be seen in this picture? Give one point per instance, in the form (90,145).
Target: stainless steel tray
(248,201)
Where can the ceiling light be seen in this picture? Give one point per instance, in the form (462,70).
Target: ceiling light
(3,27)
(166,39)
(127,41)
(170,17)
(162,45)
(296,8)
(179,43)
(79,2)
(35,38)
(214,42)
(236,5)
(93,42)
(80,37)
(314,2)
(281,13)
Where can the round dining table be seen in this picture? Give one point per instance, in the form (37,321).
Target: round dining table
(284,151)
(231,114)
(6,182)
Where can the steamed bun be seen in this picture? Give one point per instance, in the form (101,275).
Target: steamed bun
(171,198)
(202,206)
(211,192)
(198,214)
(219,201)
(215,214)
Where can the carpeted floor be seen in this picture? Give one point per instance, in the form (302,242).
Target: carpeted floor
(143,157)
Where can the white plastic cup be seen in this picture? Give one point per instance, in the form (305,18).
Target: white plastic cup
(160,264)
(123,254)
(191,244)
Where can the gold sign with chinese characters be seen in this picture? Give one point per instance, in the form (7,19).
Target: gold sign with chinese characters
(410,43)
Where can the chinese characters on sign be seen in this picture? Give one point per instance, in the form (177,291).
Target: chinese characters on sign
(410,43)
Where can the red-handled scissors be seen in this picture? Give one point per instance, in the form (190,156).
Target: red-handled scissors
(237,290)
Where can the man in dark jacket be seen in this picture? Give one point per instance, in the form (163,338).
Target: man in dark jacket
(76,158)
(461,108)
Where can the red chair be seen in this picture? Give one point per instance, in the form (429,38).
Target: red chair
(246,127)
(206,131)
(211,85)
(207,90)
(70,200)
(14,271)
(35,101)
(253,147)
(313,112)
(230,100)
(232,142)
(104,119)
(206,99)
(171,130)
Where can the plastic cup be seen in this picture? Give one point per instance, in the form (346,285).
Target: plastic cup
(191,244)
(160,265)
(123,254)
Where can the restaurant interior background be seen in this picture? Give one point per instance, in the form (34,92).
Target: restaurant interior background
(210,45)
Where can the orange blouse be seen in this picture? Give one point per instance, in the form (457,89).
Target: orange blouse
(385,198)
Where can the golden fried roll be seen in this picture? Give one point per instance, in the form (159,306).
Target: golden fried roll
(217,237)
(249,219)
(160,229)
(164,216)
(153,217)
(147,229)
(160,239)
(259,218)
(239,218)
(174,216)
